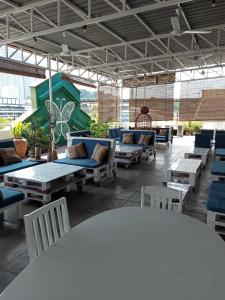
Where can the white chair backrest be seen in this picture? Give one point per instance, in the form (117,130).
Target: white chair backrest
(45,226)
(161,197)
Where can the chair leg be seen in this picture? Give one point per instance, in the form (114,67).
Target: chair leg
(142,196)
(19,211)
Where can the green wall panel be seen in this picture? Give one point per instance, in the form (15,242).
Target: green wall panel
(67,112)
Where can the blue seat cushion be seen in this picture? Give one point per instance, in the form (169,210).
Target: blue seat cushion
(161,138)
(216,204)
(220,152)
(218,186)
(81,162)
(17,166)
(10,196)
(218,168)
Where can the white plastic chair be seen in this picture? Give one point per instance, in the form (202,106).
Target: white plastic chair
(45,226)
(162,197)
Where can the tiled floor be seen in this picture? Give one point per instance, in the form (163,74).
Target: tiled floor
(124,190)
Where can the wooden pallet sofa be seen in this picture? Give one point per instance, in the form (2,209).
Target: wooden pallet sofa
(14,166)
(216,206)
(10,198)
(99,170)
(164,135)
(148,150)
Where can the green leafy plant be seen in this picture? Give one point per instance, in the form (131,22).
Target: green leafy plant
(192,127)
(18,129)
(98,129)
(36,135)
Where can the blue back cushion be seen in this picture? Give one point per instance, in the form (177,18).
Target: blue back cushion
(137,134)
(7,144)
(112,133)
(203,140)
(208,131)
(90,145)
(220,132)
(220,141)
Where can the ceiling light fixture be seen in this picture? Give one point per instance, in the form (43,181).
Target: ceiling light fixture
(213,3)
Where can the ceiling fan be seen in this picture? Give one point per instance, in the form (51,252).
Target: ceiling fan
(177,28)
(66,52)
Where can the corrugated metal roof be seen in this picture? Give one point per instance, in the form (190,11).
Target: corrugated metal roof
(198,13)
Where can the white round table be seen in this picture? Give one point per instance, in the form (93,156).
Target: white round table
(128,254)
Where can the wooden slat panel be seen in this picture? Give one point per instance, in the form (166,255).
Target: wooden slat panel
(108,104)
(160,109)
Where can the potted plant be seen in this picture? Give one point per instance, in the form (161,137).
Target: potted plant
(37,137)
(99,129)
(19,140)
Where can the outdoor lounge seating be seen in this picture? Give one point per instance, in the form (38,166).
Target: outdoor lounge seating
(164,138)
(11,198)
(148,150)
(216,206)
(100,170)
(15,166)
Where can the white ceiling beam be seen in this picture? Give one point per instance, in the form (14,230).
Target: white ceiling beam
(84,15)
(161,57)
(206,40)
(30,5)
(91,21)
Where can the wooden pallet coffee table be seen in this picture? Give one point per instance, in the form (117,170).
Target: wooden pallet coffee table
(127,155)
(41,181)
(184,171)
(198,153)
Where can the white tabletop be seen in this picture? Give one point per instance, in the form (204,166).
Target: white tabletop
(127,149)
(128,254)
(186,165)
(45,172)
(199,151)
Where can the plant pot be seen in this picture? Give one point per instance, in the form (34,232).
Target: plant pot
(37,152)
(21,146)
